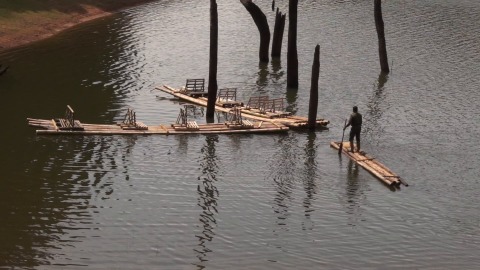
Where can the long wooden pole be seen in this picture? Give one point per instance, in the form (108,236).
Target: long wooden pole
(313,104)
(292,56)
(213,62)
(382,46)
(343,135)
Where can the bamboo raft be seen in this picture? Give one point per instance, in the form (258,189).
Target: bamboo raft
(372,165)
(249,112)
(69,126)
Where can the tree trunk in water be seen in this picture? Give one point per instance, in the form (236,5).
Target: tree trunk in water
(312,110)
(292,57)
(278,34)
(212,72)
(382,47)
(262,24)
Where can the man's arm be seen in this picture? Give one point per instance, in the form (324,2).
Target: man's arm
(348,123)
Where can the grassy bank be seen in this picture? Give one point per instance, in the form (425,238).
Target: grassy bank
(24,21)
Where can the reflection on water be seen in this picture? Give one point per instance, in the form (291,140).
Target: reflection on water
(354,195)
(310,177)
(207,200)
(146,202)
(283,173)
(63,188)
(292,97)
(373,128)
(278,72)
(262,80)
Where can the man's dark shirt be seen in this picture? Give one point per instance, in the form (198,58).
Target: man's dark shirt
(356,120)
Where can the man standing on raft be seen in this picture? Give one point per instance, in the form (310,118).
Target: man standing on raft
(356,122)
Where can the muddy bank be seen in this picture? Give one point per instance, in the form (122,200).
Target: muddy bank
(25,21)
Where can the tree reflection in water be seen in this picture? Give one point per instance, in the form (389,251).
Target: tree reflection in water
(310,174)
(355,194)
(68,181)
(373,127)
(207,199)
(283,174)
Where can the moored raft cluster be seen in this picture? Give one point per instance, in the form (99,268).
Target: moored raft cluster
(260,108)
(130,126)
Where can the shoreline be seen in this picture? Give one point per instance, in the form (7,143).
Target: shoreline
(52,20)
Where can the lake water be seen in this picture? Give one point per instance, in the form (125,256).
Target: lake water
(246,201)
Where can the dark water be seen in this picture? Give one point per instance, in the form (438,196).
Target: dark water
(246,201)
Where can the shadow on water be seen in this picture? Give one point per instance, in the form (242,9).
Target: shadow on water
(292,97)
(56,194)
(310,176)
(51,182)
(207,200)
(262,78)
(374,128)
(354,194)
(277,71)
(283,171)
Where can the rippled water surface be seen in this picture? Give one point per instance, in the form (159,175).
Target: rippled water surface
(246,201)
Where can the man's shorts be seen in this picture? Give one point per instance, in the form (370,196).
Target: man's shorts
(355,132)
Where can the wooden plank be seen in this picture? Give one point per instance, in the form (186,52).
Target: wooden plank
(164,128)
(370,164)
(253,114)
(115,129)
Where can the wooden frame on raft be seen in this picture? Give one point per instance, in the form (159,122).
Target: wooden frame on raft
(372,165)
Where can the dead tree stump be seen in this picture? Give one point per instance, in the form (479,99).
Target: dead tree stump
(278,31)
(313,104)
(262,24)
(213,62)
(382,47)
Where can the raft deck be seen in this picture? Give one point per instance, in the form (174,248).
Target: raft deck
(50,127)
(283,118)
(372,165)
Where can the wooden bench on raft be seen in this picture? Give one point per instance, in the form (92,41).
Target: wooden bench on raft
(227,98)
(275,107)
(257,102)
(268,107)
(182,121)
(235,120)
(68,122)
(130,121)
(194,88)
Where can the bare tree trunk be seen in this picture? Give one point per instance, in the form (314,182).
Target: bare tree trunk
(262,24)
(382,47)
(212,72)
(292,56)
(313,104)
(278,34)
